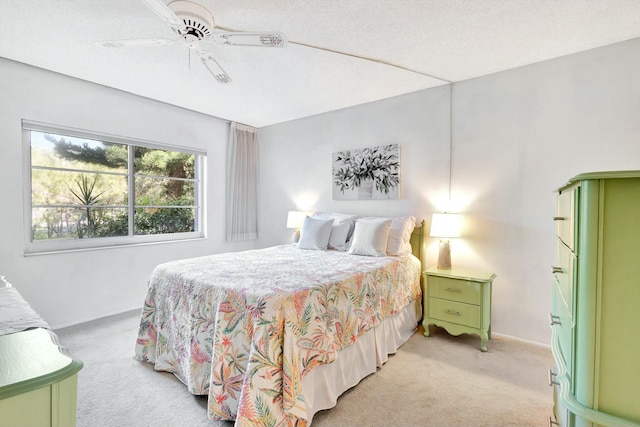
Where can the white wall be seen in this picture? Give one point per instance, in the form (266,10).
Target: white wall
(69,288)
(517,136)
(295,158)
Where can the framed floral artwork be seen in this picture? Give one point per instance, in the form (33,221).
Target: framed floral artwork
(371,173)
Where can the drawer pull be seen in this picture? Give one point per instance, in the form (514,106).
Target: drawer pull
(552,375)
(455,290)
(556,270)
(453,313)
(554,320)
(559,218)
(552,422)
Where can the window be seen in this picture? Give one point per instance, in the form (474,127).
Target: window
(93,190)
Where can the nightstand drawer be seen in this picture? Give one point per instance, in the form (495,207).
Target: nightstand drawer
(454,312)
(454,289)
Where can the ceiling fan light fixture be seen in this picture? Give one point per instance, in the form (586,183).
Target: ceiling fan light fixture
(198,22)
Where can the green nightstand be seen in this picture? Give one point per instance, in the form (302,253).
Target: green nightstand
(459,300)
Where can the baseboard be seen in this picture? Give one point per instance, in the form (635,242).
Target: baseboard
(536,343)
(102,318)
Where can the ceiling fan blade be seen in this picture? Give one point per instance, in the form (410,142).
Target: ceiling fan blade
(273,39)
(214,68)
(166,14)
(152,41)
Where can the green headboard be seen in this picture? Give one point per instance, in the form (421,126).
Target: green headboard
(418,243)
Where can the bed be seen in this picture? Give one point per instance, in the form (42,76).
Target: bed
(274,335)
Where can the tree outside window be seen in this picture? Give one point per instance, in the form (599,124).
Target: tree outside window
(84,188)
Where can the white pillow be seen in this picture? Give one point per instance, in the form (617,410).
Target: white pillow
(339,218)
(315,233)
(399,242)
(338,237)
(370,237)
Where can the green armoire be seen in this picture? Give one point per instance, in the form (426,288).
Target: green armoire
(595,315)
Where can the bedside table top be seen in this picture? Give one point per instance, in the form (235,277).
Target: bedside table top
(461,273)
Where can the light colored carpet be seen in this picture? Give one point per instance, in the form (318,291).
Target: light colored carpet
(437,381)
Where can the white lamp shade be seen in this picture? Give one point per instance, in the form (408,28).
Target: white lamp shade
(295,219)
(445,225)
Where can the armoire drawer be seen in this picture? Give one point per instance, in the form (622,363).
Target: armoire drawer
(454,312)
(560,412)
(455,289)
(562,321)
(564,274)
(565,217)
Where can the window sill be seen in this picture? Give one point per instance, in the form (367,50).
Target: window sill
(36,249)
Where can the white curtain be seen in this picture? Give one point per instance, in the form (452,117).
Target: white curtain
(242,183)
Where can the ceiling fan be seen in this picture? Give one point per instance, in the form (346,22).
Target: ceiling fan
(193,23)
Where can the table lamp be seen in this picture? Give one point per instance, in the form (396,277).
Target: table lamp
(445,226)
(295,219)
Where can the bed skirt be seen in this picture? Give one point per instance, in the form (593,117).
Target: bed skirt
(325,383)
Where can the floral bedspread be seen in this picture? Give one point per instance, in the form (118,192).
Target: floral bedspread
(244,328)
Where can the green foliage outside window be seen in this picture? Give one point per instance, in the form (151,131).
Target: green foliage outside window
(80,189)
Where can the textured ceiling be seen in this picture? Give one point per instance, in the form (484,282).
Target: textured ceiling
(409,45)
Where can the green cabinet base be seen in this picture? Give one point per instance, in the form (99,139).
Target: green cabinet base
(453,329)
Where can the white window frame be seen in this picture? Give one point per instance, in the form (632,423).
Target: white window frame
(32,247)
